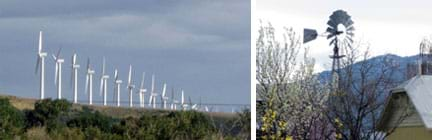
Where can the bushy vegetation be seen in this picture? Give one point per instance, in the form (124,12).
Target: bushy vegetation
(56,119)
(11,120)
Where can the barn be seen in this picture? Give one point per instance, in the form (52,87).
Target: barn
(409,110)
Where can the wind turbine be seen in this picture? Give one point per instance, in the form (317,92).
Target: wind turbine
(193,106)
(183,104)
(173,101)
(75,67)
(117,83)
(41,61)
(163,97)
(130,86)
(142,91)
(103,83)
(153,94)
(89,82)
(58,73)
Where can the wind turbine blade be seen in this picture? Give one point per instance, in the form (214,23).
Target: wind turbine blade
(152,86)
(88,63)
(37,64)
(58,53)
(190,101)
(150,99)
(164,90)
(182,97)
(115,92)
(40,42)
(101,86)
(142,81)
(54,57)
(86,85)
(72,76)
(56,73)
(74,59)
(115,75)
(172,95)
(130,75)
(103,66)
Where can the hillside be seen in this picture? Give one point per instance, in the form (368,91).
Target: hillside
(117,112)
(399,74)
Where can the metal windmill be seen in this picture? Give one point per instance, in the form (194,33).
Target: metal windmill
(425,57)
(340,32)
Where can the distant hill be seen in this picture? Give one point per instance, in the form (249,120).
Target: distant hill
(399,75)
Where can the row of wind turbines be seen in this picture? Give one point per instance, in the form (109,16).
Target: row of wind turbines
(40,66)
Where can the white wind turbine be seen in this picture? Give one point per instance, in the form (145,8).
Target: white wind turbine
(75,67)
(206,109)
(163,96)
(153,94)
(193,106)
(41,61)
(142,91)
(58,73)
(89,82)
(183,104)
(174,102)
(117,83)
(103,83)
(130,86)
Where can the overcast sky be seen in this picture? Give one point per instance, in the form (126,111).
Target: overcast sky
(200,46)
(389,26)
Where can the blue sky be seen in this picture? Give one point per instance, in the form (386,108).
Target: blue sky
(202,47)
(388,26)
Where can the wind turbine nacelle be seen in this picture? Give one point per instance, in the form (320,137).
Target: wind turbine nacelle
(118,81)
(105,76)
(143,90)
(43,54)
(309,35)
(90,71)
(60,60)
(75,66)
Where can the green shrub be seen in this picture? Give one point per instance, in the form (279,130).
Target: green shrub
(12,120)
(87,118)
(47,110)
(187,125)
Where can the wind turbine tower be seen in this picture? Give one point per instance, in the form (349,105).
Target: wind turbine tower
(58,73)
(75,67)
(142,91)
(130,86)
(183,104)
(89,82)
(164,98)
(103,83)
(173,101)
(41,61)
(117,83)
(153,94)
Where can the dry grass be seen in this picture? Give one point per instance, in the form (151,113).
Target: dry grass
(20,103)
(117,112)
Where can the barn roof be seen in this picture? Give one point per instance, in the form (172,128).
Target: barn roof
(419,91)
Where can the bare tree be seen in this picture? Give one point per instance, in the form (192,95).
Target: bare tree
(354,109)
